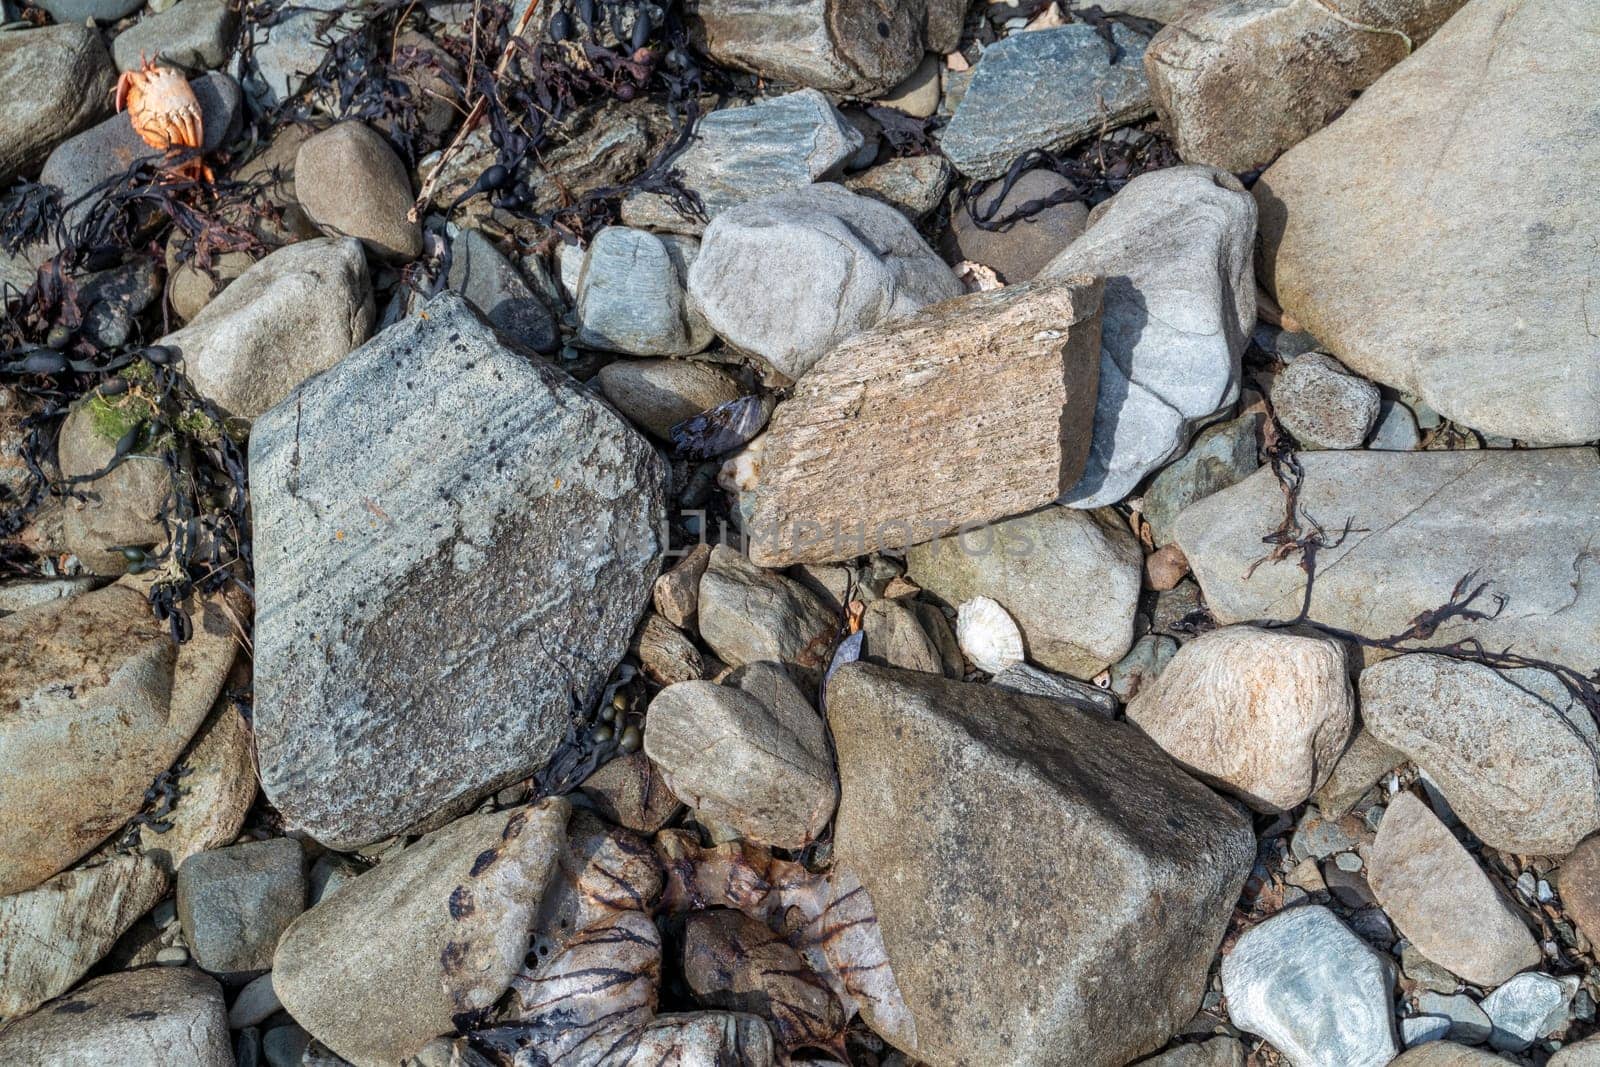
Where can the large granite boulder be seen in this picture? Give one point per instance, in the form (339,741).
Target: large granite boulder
(1418,527)
(96,699)
(1413,239)
(453,544)
(55,81)
(1174,247)
(1051,887)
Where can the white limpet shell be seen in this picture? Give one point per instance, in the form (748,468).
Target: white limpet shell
(988,635)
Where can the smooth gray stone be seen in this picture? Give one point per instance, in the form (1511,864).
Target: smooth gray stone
(1221,456)
(159,1015)
(1028,679)
(1045,89)
(913,185)
(234,903)
(1396,428)
(1175,249)
(453,545)
(1023,248)
(1313,989)
(1467,1020)
(1419,523)
(492,284)
(193,34)
(739,154)
(55,81)
(632,297)
(1526,1008)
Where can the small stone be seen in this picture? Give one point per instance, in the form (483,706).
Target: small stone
(1536,790)
(235,902)
(657,394)
(676,593)
(739,154)
(1425,973)
(1313,989)
(56,81)
(665,653)
(1467,1020)
(732,961)
(1263,714)
(1220,456)
(1362,765)
(1142,665)
(112,299)
(1018,250)
(292,315)
(398,675)
(130,1017)
(1396,429)
(895,638)
(121,507)
(1324,405)
(1165,568)
(918,95)
(1347,861)
(173,956)
(755,756)
(492,284)
(1157,858)
(255,1004)
(1047,89)
(1318,838)
(194,35)
(1069,578)
(351,184)
(1031,681)
(1174,246)
(99,666)
(631,792)
(390,961)
(631,294)
(791,275)
(19,595)
(52,934)
(1420,1029)
(1527,1008)
(748,614)
(912,185)
(285,1046)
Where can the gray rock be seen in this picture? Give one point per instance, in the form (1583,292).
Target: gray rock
(1350,234)
(1313,989)
(1324,405)
(895,637)
(112,299)
(165,1015)
(947,788)
(631,296)
(1467,1021)
(52,934)
(918,95)
(1396,428)
(285,53)
(1416,528)
(1512,751)
(833,45)
(789,276)
(1428,975)
(1259,713)
(748,614)
(1019,249)
(1174,247)
(235,902)
(351,184)
(1142,665)
(1045,89)
(79,11)
(292,315)
(1031,681)
(1527,1008)
(386,964)
(912,185)
(1069,578)
(122,506)
(397,672)
(255,1004)
(106,150)
(492,284)
(1420,1029)
(1221,456)
(1239,83)
(95,701)
(1216,1052)
(56,81)
(1361,767)
(738,154)
(1441,899)
(285,1046)
(755,757)
(195,35)
(657,394)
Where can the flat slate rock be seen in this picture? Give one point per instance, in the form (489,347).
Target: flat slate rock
(1045,89)
(1522,521)
(453,544)
(1438,237)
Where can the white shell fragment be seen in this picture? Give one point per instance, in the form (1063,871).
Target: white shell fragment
(988,635)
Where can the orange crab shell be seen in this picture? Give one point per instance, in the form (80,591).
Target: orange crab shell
(161,106)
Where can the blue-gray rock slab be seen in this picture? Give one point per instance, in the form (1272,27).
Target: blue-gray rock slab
(960,804)
(453,545)
(1521,523)
(1046,89)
